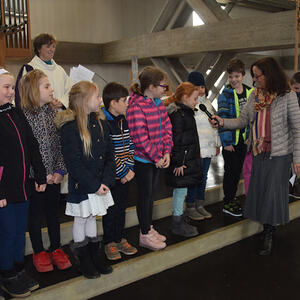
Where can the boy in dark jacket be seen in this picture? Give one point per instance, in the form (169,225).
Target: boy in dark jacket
(230,104)
(115,101)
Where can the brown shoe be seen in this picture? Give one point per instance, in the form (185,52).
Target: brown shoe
(112,252)
(126,248)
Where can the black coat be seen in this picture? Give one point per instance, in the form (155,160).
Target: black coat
(18,150)
(186,149)
(86,174)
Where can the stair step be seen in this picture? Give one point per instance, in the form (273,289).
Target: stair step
(162,208)
(149,263)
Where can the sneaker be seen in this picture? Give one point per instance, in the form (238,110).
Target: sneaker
(159,236)
(60,259)
(126,248)
(199,205)
(42,262)
(192,213)
(29,282)
(15,287)
(112,252)
(233,208)
(151,242)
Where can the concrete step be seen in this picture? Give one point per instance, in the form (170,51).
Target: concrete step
(162,208)
(154,262)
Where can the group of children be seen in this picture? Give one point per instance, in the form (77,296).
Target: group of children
(102,150)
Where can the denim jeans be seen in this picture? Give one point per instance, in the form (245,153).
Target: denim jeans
(178,200)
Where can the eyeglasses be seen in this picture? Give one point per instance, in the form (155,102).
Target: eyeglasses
(164,86)
(257,76)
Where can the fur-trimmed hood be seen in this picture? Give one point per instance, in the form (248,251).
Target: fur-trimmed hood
(172,107)
(69,115)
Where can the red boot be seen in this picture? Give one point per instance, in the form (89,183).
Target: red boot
(60,259)
(42,262)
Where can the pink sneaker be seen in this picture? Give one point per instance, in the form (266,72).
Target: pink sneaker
(151,242)
(160,237)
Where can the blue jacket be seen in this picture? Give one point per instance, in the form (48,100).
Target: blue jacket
(228,108)
(123,146)
(86,174)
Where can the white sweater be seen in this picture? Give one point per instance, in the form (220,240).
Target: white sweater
(59,80)
(208,136)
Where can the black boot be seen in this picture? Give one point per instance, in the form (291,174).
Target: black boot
(94,248)
(84,259)
(267,245)
(29,282)
(1,295)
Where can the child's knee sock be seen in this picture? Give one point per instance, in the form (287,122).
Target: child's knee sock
(91,226)
(79,229)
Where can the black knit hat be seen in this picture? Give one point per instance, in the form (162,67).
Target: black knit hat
(196,78)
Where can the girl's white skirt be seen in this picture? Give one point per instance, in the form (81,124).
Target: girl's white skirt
(95,205)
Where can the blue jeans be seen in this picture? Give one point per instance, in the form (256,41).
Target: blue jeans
(13,222)
(178,200)
(198,192)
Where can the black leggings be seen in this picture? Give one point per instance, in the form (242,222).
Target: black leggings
(40,205)
(146,178)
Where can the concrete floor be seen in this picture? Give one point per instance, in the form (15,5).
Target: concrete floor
(232,273)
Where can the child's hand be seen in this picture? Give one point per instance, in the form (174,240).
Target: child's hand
(102,190)
(166,160)
(179,171)
(123,180)
(40,188)
(160,163)
(3,203)
(57,178)
(129,176)
(50,179)
(217,151)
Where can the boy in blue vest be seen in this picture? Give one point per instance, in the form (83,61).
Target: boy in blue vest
(230,104)
(115,102)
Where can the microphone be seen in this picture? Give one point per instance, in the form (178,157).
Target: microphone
(204,109)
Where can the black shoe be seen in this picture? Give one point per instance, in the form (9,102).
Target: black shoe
(267,244)
(29,282)
(84,260)
(100,264)
(233,208)
(15,287)
(1,295)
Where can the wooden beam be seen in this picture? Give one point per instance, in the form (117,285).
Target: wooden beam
(2,49)
(274,31)
(206,62)
(71,52)
(178,68)
(169,9)
(183,17)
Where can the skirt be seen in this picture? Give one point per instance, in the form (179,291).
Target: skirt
(267,201)
(95,205)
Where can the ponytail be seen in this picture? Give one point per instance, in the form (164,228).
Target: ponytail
(135,88)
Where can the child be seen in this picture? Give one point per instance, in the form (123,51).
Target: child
(36,96)
(230,104)
(115,101)
(208,138)
(295,84)
(185,168)
(18,151)
(89,157)
(151,133)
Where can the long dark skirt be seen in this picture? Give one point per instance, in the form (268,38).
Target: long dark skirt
(267,200)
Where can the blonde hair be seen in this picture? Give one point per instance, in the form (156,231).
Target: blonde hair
(185,88)
(29,90)
(79,96)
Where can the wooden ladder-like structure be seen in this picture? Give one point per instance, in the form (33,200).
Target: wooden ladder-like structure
(15,40)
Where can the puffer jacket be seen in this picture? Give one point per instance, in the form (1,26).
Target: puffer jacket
(285,124)
(186,149)
(86,174)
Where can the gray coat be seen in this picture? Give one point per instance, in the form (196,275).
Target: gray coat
(285,124)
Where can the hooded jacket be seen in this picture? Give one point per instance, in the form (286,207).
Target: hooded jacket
(150,128)
(186,149)
(18,150)
(86,174)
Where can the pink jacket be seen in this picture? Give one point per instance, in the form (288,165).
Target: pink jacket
(150,128)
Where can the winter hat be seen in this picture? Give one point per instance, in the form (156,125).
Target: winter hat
(196,78)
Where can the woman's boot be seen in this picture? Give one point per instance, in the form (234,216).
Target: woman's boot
(98,261)
(180,227)
(267,244)
(84,259)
